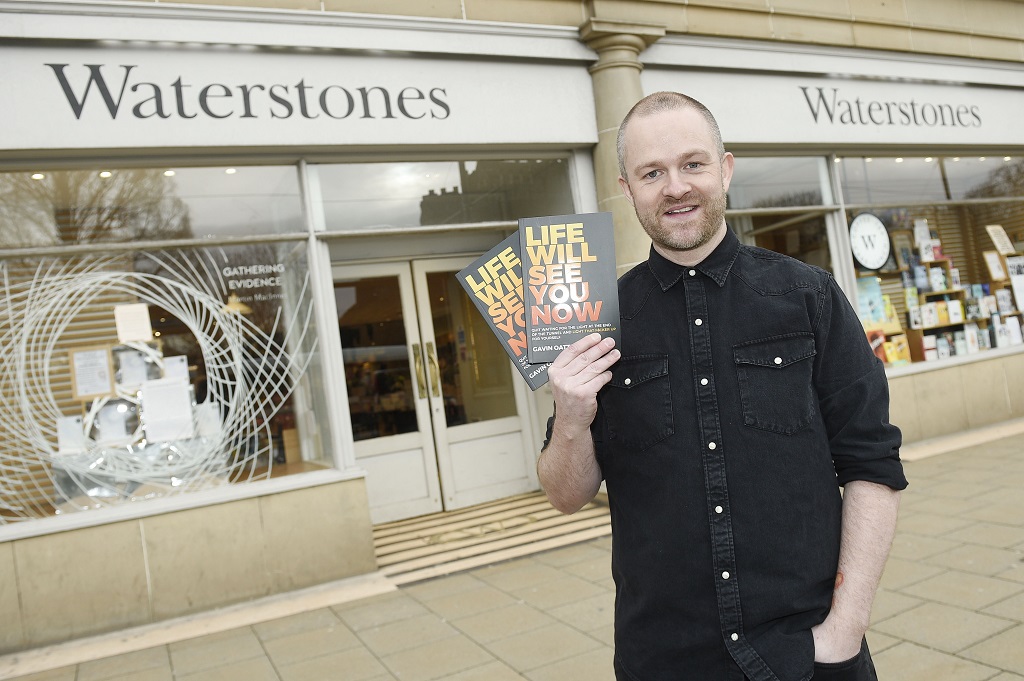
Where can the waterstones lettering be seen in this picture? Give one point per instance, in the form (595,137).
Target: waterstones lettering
(826,104)
(126,94)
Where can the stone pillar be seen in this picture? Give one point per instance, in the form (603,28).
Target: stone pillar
(616,78)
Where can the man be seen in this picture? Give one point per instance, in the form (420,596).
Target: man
(744,396)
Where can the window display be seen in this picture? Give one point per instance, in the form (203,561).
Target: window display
(209,399)
(946,287)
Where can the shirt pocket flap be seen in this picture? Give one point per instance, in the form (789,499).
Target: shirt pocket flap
(775,353)
(629,372)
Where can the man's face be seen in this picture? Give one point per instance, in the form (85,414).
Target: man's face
(676,181)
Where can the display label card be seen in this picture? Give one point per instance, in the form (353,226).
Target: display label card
(1000,239)
(167,410)
(92,374)
(133,323)
(70,435)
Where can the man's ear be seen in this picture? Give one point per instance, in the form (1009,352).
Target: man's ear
(728,162)
(626,191)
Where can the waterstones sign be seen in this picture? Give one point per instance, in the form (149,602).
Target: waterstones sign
(115,90)
(768,109)
(831,105)
(110,98)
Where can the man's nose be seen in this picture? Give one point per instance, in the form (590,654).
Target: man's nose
(677,184)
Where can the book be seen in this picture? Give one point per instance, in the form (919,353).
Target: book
(914,319)
(921,280)
(494,282)
(876,339)
(899,353)
(571,287)
(1013,329)
(972,336)
(937,278)
(960,342)
(929,315)
(910,298)
(956,311)
(1004,301)
(870,302)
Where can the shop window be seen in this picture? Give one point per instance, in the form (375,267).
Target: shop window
(771,182)
(366,196)
(145,375)
(949,236)
(780,203)
(49,207)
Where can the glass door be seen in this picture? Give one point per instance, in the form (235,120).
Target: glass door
(478,406)
(435,410)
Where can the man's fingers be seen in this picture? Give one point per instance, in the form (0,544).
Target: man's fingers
(580,348)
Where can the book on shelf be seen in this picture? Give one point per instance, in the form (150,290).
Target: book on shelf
(937,279)
(942,311)
(1000,332)
(942,348)
(971,336)
(1004,301)
(571,289)
(955,310)
(921,280)
(972,309)
(494,282)
(929,315)
(1013,330)
(989,305)
(910,297)
(876,339)
(870,302)
(960,342)
(914,319)
(897,350)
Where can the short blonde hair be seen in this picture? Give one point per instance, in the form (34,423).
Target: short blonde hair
(665,101)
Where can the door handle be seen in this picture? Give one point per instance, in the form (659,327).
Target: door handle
(421,380)
(435,370)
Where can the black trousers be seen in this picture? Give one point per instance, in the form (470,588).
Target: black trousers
(860,668)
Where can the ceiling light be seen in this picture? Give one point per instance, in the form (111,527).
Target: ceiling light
(37,176)
(168,173)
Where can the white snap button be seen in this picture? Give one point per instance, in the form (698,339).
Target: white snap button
(698,322)
(693,273)
(778,360)
(718,509)
(711,445)
(725,575)
(628,381)
(703,381)
(735,637)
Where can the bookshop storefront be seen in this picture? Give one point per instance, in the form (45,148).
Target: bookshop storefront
(232,336)
(903,177)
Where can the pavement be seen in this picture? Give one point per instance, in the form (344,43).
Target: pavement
(950,607)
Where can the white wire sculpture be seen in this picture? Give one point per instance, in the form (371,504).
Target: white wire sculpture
(250,372)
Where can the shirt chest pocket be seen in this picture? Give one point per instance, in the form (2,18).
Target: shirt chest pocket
(776,382)
(637,402)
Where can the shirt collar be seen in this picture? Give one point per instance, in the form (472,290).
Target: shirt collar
(716,266)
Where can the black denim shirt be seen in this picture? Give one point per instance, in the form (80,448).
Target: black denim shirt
(746,395)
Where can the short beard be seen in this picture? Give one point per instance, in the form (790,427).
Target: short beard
(688,240)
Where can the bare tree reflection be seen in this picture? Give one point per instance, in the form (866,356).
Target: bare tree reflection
(86,206)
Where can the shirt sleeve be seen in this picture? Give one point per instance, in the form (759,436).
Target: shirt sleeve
(853,394)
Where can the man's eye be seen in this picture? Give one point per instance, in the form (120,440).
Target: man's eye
(694,165)
(651,175)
